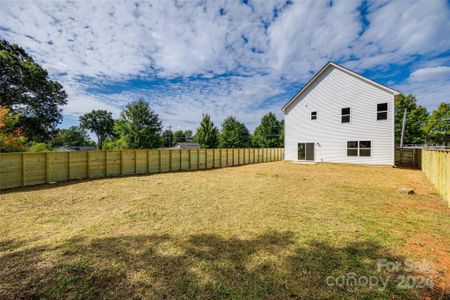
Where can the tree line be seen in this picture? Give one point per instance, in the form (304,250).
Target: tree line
(139,127)
(30,112)
(421,127)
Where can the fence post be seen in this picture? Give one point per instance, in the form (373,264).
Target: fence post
(121,163)
(147,155)
(88,165)
(106,162)
(23,169)
(159,160)
(189,155)
(47,175)
(69,173)
(170,160)
(226,156)
(135,161)
(198,159)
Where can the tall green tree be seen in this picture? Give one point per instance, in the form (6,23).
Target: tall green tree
(73,136)
(234,134)
(139,126)
(181,136)
(207,134)
(281,141)
(437,127)
(25,89)
(100,122)
(188,135)
(268,133)
(416,118)
(167,138)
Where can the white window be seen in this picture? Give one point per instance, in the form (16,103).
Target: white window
(352,148)
(345,115)
(382,111)
(359,148)
(364,148)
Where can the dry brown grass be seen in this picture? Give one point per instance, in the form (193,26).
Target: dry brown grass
(273,230)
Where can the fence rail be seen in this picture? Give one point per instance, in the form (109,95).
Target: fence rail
(23,169)
(436,166)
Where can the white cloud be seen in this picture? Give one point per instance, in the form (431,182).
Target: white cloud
(182,105)
(399,30)
(246,53)
(309,34)
(430,85)
(86,103)
(432,73)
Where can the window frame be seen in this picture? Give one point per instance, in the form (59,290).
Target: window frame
(358,148)
(353,148)
(382,112)
(314,115)
(365,148)
(346,115)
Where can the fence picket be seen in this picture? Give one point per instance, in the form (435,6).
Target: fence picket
(436,167)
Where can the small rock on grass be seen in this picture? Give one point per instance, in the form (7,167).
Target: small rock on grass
(406,191)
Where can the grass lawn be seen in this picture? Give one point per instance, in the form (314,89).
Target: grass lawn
(273,230)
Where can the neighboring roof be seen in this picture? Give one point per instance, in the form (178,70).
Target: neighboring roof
(186,145)
(75,148)
(345,70)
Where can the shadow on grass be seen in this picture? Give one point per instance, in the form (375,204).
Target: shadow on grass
(198,266)
(406,167)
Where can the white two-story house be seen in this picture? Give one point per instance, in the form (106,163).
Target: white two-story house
(341,117)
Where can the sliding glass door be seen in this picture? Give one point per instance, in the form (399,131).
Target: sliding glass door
(306,151)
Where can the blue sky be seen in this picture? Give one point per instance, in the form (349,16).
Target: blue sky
(241,58)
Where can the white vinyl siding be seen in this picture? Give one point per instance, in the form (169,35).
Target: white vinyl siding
(333,90)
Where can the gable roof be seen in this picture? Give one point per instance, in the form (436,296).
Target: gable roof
(345,70)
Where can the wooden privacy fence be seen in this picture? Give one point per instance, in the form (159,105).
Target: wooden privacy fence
(436,166)
(22,169)
(408,157)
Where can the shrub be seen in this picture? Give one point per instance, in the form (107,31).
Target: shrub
(38,147)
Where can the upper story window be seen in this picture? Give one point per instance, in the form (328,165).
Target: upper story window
(314,115)
(345,115)
(382,111)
